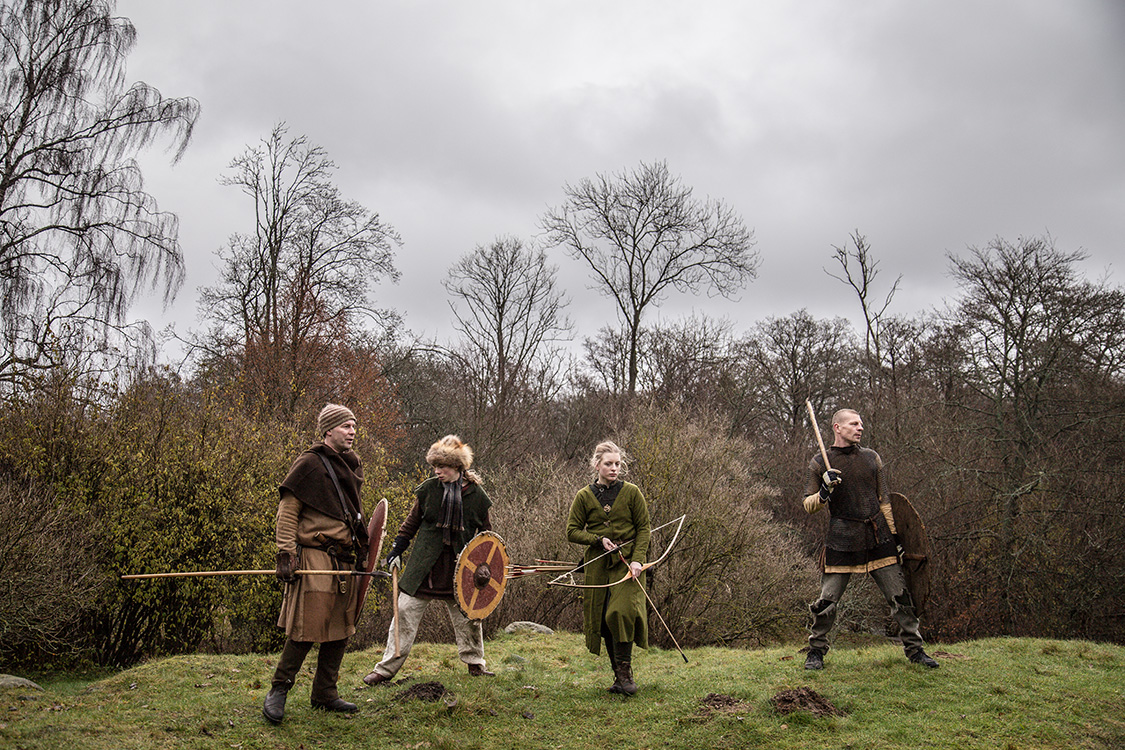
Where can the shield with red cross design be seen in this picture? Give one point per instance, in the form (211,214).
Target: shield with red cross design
(480,577)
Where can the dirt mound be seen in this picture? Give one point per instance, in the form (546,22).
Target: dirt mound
(423,691)
(717,703)
(804,699)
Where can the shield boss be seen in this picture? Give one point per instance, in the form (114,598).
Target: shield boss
(479,580)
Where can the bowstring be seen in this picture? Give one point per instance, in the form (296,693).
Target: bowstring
(570,573)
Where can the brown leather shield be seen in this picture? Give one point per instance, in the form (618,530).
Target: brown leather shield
(480,578)
(376,528)
(916,549)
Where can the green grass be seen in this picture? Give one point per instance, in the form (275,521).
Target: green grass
(1008,694)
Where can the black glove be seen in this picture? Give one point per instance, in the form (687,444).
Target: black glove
(828,482)
(394,559)
(286,567)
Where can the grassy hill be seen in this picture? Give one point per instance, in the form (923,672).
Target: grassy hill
(1012,694)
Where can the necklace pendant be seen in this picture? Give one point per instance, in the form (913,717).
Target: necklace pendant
(607,508)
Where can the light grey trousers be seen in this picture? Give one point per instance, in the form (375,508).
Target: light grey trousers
(469,635)
(891,582)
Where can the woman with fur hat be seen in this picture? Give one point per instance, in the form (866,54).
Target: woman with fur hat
(450,508)
(610,516)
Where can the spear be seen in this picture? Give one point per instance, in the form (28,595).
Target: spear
(201,573)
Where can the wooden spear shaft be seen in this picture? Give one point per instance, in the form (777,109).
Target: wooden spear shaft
(394,599)
(202,573)
(819,439)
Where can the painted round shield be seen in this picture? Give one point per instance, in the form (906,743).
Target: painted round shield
(479,580)
(376,529)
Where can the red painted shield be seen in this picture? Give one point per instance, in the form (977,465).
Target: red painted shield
(480,578)
(376,528)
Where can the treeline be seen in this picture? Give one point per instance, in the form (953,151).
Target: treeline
(1001,419)
(1000,416)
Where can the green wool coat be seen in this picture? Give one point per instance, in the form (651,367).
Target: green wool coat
(428,541)
(623,605)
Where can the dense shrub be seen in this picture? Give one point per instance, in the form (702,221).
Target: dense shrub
(47,577)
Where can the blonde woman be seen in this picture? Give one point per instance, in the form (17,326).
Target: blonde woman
(609,515)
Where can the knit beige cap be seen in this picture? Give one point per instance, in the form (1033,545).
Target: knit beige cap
(332,415)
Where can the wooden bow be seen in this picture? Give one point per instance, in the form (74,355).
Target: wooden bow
(652,604)
(628,574)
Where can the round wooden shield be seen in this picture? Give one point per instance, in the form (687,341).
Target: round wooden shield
(916,549)
(376,528)
(479,580)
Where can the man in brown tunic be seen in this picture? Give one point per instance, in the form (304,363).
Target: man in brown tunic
(319,527)
(861,537)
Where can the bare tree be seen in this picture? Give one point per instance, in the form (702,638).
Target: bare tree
(792,359)
(886,339)
(509,309)
(1040,400)
(690,363)
(607,359)
(643,233)
(861,280)
(299,284)
(79,237)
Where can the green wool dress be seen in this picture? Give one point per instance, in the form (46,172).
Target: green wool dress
(623,605)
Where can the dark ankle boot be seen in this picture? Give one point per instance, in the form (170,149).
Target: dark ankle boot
(815,659)
(623,669)
(274,706)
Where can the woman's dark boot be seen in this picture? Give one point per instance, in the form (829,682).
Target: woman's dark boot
(623,669)
(609,649)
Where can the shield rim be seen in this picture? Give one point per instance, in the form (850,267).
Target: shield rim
(917,569)
(376,531)
(499,576)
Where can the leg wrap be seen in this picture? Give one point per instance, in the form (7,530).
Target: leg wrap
(328,662)
(292,657)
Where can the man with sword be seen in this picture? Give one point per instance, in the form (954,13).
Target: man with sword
(849,479)
(319,527)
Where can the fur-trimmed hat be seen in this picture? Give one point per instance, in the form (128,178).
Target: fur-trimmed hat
(332,415)
(450,451)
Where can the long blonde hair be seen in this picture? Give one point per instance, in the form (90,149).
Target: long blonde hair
(604,447)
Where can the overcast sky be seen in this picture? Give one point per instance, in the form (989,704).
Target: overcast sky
(927,126)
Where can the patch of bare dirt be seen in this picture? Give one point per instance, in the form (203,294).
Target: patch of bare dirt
(430,692)
(947,655)
(804,699)
(717,703)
